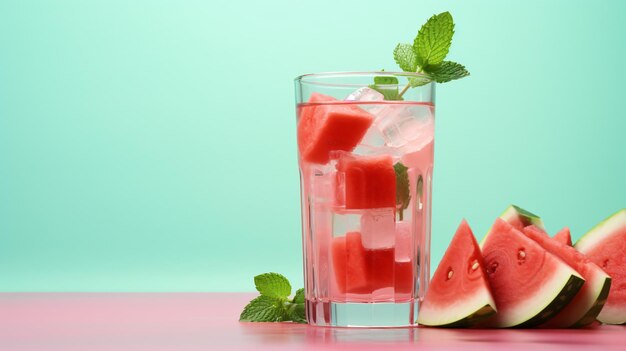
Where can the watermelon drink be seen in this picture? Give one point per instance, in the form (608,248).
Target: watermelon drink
(366,166)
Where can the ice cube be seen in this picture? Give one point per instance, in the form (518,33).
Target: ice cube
(404,241)
(323,183)
(403,125)
(365,94)
(372,143)
(378,229)
(345,221)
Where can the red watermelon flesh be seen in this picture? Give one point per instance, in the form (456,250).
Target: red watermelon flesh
(605,245)
(370,181)
(362,271)
(564,236)
(459,293)
(529,284)
(350,263)
(590,299)
(403,277)
(333,127)
(404,258)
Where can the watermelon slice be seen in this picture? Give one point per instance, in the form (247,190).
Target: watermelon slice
(459,294)
(326,128)
(518,218)
(529,284)
(370,181)
(586,305)
(605,245)
(564,237)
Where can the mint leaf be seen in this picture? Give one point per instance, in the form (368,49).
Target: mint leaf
(273,285)
(299,296)
(403,193)
(274,305)
(416,82)
(405,57)
(264,309)
(433,40)
(385,80)
(448,71)
(388,86)
(296,313)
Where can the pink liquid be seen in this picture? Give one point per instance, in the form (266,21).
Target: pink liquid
(368,255)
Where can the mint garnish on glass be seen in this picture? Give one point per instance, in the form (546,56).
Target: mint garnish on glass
(426,56)
(274,305)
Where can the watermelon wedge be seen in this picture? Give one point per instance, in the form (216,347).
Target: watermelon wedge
(605,245)
(326,128)
(590,299)
(529,284)
(370,181)
(518,218)
(458,294)
(564,236)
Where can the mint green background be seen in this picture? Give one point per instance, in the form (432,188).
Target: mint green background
(150,145)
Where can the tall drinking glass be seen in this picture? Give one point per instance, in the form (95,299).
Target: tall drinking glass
(366,165)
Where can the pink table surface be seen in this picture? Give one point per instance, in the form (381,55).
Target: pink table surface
(208,321)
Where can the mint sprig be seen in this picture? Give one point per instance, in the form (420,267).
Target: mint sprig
(388,86)
(274,305)
(427,55)
(403,193)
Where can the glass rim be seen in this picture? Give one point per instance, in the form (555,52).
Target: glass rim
(307,78)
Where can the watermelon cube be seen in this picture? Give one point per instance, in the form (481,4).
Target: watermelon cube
(381,267)
(350,263)
(403,277)
(362,271)
(369,181)
(326,128)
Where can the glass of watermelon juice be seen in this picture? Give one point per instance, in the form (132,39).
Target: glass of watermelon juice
(366,163)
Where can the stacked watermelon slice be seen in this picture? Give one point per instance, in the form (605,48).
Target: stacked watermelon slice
(521,277)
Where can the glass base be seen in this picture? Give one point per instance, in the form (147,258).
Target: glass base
(366,315)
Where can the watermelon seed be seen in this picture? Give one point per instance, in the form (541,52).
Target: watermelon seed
(605,264)
(450,273)
(521,255)
(492,267)
(475,265)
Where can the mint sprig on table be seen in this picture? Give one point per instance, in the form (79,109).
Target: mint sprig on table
(274,305)
(426,56)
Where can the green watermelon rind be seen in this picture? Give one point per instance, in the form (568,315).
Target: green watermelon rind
(596,236)
(529,217)
(467,313)
(601,284)
(513,210)
(551,299)
(560,300)
(593,312)
(586,311)
(590,299)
